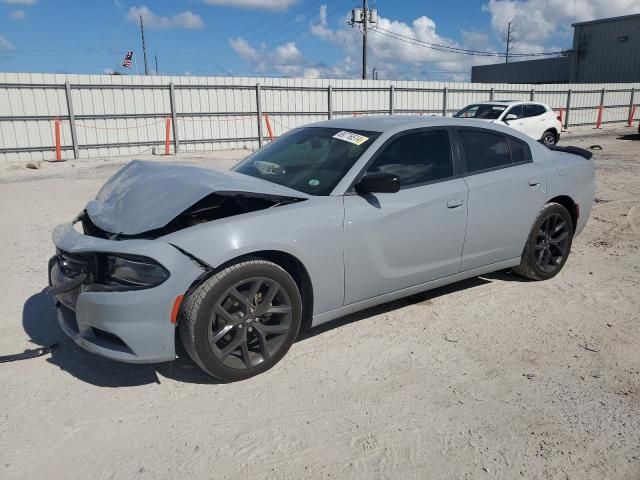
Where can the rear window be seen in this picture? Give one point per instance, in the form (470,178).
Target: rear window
(533,110)
(520,152)
(484,150)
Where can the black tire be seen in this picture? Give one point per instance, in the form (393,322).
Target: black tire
(549,138)
(545,254)
(207,336)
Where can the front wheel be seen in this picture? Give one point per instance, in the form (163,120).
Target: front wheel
(548,245)
(241,321)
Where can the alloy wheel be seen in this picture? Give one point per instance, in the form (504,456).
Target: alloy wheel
(250,322)
(552,242)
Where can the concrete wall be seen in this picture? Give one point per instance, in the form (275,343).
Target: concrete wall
(126,115)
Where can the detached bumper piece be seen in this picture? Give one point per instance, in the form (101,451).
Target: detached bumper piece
(32,353)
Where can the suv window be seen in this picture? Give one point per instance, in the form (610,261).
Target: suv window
(416,158)
(484,150)
(533,110)
(516,110)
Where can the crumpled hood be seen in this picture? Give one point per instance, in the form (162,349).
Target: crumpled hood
(145,195)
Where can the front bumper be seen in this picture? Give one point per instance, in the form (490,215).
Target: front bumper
(129,326)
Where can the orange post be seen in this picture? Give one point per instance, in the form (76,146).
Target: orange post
(167,136)
(561,115)
(58,146)
(269,130)
(599,121)
(631,116)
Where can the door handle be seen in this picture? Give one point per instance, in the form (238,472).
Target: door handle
(534,182)
(454,203)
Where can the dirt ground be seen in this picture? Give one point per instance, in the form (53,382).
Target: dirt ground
(493,377)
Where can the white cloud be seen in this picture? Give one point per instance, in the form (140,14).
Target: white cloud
(535,21)
(261,4)
(286,59)
(404,57)
(18,15)
(26,3)
(6,45)
(186,20)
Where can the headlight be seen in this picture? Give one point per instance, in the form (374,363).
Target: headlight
(133,271)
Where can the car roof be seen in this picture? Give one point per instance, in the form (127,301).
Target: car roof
(508,102)
(398,123)
(383,123)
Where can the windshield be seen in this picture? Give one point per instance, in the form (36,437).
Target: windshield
(311,160)
(482,111)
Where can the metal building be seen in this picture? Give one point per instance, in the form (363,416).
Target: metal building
(604,51)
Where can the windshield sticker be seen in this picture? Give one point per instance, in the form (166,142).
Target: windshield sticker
(351,137)
(314,182)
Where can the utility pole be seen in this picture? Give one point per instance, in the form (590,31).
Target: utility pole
(144,47)
(365,25)
(156,60)
(509,32)
(365,16)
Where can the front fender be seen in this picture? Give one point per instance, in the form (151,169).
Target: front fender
(310,230)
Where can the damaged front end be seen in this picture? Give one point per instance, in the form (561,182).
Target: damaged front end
(152,199)
(212,207)
(116,281)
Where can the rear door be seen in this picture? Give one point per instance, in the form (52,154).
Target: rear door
(536,120)
(398,240)
(506,192)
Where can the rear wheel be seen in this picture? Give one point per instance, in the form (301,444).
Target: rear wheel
(548,245)
(549,138)
(241,321)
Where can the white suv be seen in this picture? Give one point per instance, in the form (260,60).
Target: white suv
(537,120)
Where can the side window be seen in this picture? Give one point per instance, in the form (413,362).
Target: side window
(516,110)
(417,158)
(484,150)
(532,110)
(520,151)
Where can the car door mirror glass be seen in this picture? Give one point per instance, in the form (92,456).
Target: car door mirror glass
(378,182)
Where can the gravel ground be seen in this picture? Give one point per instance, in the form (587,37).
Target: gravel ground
(494,377)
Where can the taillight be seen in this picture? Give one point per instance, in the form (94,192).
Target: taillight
(559,118)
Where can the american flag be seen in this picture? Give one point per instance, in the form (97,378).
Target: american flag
(127,60)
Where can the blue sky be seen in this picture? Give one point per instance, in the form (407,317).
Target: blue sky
(281,37)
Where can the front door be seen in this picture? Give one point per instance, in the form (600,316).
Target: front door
(398,240)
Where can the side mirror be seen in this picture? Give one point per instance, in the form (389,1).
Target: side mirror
(378,182)
(511,116)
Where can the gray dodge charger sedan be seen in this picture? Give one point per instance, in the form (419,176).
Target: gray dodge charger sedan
(328,219)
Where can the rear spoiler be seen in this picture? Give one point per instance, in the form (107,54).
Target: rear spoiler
(575,150)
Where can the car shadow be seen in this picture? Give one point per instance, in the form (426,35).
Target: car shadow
(39,320)
(504,275)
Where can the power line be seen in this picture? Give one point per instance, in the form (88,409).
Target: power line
(460,50)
